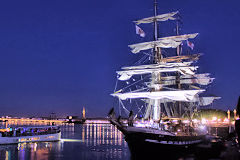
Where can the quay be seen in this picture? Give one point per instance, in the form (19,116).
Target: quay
(9,119)
(50,121)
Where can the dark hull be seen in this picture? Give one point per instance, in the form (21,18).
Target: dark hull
(147,144)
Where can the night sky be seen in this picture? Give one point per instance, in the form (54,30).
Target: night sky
(59,56)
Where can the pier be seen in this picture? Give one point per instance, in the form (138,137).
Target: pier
(32,120)
(50,121)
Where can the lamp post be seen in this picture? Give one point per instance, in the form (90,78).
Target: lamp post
(83,113)
(235,114)
(229,122)
(228,113)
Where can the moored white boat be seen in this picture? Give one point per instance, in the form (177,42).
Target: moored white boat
(29,134)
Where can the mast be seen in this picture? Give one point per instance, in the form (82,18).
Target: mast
(177,33)
(179,105)
(155,21)
(156,77)
(157,51)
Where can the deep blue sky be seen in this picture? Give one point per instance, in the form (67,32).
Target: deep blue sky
(58,56)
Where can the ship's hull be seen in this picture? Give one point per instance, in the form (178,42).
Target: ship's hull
(34,138)
(147,143)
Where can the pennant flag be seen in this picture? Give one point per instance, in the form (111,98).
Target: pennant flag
(140,31)
(190,44)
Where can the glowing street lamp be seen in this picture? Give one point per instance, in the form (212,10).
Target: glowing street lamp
(228,112)
(235,114)
(214,118)
(204,121)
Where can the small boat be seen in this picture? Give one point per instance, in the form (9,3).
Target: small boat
(29,134)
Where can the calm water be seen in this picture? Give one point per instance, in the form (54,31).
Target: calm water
(83,142)
(88,141)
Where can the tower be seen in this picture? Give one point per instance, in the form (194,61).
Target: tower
(83,113)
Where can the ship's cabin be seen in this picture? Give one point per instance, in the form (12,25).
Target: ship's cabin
(28,131)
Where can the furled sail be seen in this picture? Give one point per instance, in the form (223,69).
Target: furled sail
(165,42)
(127,74)
(161,17)
(204,101)
(203,81)
(199,76)
(149,66)
(192,57)
(124,76)
(181,95)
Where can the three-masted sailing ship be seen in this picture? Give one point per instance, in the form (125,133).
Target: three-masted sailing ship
(167,86)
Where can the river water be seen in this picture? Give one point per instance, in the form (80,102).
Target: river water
(79,142)
(83,142)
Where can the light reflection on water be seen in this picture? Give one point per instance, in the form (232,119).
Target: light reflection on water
(88,141)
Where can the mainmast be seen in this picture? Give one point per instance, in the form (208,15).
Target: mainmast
(157,50)
(155,21)
(156,77)
(178,104)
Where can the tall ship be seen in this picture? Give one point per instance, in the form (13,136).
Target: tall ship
(162,92)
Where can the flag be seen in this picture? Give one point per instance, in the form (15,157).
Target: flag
(190,44)
(140,31)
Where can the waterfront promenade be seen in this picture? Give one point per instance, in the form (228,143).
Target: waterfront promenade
(50,121)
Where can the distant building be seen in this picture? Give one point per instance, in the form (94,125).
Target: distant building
(83,113)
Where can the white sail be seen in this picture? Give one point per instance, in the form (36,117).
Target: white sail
(124,76)
(180,37)
(204,101)
(181,64)
(162,17)
(163,100)
(181,95)
(199,76)
(165,42)
(192,57)
(203,81)
(149,108)
(127,74)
